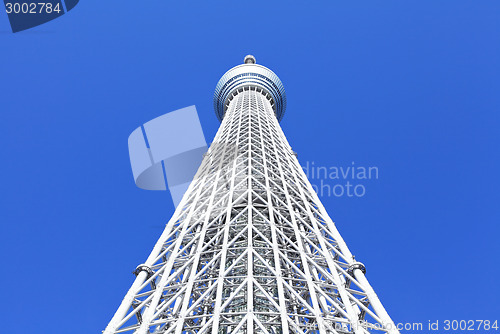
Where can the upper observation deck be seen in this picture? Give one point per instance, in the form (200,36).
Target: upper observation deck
(245,75)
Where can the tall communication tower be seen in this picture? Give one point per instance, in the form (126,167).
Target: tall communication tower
(250,248)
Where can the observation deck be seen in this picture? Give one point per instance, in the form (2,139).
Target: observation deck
(249,74)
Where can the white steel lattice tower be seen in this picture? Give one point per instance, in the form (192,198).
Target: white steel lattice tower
(250,248)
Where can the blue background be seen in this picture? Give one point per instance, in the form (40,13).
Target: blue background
(408,86)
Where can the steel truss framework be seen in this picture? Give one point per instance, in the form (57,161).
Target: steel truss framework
(250,249)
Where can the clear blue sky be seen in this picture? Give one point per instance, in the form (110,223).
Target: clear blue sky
(410,87)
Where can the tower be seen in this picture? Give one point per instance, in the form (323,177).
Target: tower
(250,248)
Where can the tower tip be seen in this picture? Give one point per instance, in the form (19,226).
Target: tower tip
(249,59)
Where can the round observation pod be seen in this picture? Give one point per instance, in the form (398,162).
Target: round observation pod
(249,75)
